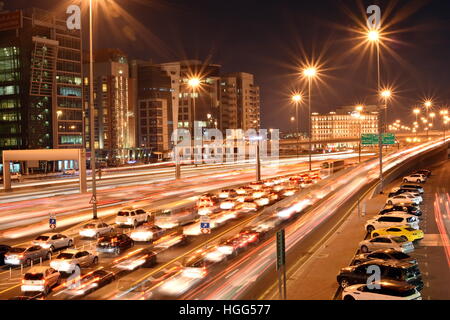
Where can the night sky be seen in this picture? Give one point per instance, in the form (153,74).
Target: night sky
(272,38)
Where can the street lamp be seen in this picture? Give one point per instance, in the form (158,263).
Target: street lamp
(296,99)
(428,104)
(358,115)
(310,73)
(194,82)
(92,116)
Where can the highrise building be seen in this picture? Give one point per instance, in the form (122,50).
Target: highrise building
(153,97)
(240,102)
(114,138)
(40,81)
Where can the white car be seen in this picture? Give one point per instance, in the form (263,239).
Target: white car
(386,242)
(53,241)
(393,219)
(68,260)
(414,195)
(131,217)
(40,279)
(416,177)
(227,204)
(147,233)
(403,199)
(386,290)
(95,229)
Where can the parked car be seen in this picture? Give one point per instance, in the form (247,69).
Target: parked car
(385,290)
(53,241)
(3,250)
(386,242)
(425,172)
(402,199)
(404,208)
(410,192)
(413,186)
(26,255)
(391,220)
(96,229)
(416,177)
(40,279)
(389,269)
(147,233)
(114,244)
(131,217)
(68,260)
(90,282)
(406,233)
(383,254)
(144,258)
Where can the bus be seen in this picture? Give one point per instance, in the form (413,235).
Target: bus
(177,216)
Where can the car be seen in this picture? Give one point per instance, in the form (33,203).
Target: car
(391,220)
(388,270)
(256,185)
(70,172)
(95,229)
(402,199)
(138,258)
(244,190)
(147,233)
(383,254)
(90,282)
(227,193)
(418,178)
(263,201)
(228,204)
(132,217)
(382,290)
(207,199)
(406,233)
(53,241)
(289,192)
(416,187)
(247,205)
(68,260)
(40,279)
(17,256)
(404,208)
(425,172)
(3,249)
(386,242)
(407,192)
(114,244)
(232,246)
(250,236)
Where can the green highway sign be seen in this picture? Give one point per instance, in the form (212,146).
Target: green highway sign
(368,139)
(281,254)
(388,138)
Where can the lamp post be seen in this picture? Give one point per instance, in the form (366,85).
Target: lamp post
(359,109)
(310,73)
(373,36)
(194,83)
(92,117)
(296,99)
(428,104)
(258,160)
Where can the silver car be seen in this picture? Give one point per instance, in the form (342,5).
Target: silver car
(53,241)
(26,255)
(68,260)
(386,242)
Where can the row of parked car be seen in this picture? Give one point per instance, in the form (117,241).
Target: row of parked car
(393,233)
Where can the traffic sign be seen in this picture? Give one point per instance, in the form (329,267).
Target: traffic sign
(52,222)
(205,224)
(93,200)
(281,255)
(388,138)
(368,139)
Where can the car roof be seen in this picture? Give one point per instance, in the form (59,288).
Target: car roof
(73,251)
(38,269)
(49,234)
(396,213)
(389,263)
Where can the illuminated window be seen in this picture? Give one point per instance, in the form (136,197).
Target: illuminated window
(104,87)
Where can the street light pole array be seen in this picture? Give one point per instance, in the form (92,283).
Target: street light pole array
(92,117)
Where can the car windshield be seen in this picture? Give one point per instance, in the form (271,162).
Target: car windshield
(399,255)
(398,239)
(33,276)
(410,229)
(65,255)
(89,226)
(17,250)
(43,238)
(123,214)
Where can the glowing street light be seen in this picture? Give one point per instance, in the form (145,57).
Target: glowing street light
(296,99)
(194,83)
(373,36)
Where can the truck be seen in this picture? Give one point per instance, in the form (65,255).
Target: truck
(334,166)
